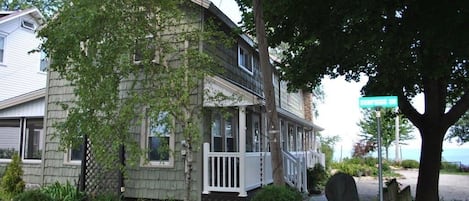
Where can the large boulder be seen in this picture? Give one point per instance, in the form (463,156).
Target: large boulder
(341,187)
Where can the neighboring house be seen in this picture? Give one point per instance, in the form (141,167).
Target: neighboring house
(234,155)
(23,81)
(21,71)
(21,131)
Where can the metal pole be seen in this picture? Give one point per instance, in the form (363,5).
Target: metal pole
(380,156)
(398,157)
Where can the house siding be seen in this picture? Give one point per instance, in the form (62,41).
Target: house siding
(55,166)
(19,73)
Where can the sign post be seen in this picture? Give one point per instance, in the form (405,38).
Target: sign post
(378,102)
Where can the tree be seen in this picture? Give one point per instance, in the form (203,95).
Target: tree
(404,47)
(327,147)
(369,125)
(128,61)
(460,130)
(272,116)
(47,7)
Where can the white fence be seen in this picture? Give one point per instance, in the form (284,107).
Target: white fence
(236,172)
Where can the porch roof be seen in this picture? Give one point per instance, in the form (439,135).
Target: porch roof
(284,113)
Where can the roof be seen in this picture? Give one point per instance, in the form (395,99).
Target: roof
(7,16)
(23,98)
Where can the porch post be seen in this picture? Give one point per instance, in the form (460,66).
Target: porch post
(242,151)
(205,159)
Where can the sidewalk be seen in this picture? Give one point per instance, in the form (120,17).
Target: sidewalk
(318,198)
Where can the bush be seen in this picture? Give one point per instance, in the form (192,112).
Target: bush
(33,195)
(410,164)
(317,178)
(277,193)
(450,167)
(63,192)
(12,183)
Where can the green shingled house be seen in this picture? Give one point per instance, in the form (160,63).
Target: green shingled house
(233,159)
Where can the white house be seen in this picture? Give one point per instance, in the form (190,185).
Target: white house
(22,92)
(21,71)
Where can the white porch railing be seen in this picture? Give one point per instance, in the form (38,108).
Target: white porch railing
(313,158)
(228,172)
(294,168)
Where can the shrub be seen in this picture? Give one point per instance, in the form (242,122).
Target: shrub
(63,192)
(12,183)
(410,164)
(277,193)
(32,195)
(317,178)
(450,167)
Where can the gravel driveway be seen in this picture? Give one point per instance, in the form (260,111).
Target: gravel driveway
(452,187)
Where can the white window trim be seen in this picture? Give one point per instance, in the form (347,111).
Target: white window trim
(33,28)
(144,161)
(68,157)
(23,142)
(239,60)
(4,36)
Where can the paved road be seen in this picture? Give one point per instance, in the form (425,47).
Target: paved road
(452,187)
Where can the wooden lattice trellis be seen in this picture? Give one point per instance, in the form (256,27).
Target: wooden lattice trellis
(95,179)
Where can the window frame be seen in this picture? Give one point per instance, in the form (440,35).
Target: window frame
(68,155)
(24,142)
(250,62)
(144,140)
(2,49)
(18,138)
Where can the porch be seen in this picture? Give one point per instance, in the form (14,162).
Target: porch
(238,172)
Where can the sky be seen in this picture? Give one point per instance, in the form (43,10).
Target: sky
(339,113)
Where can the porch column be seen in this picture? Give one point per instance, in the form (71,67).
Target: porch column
(242,151)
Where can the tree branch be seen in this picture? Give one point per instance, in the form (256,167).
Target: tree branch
(409,111)
(452,116)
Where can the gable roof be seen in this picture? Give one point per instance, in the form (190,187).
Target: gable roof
(23,98)
(6,16)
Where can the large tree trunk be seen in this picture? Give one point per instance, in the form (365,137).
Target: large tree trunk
(430,162)
(272,117)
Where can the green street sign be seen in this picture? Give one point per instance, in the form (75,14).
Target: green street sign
(377,101)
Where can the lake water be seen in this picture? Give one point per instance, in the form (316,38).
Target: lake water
(449,154)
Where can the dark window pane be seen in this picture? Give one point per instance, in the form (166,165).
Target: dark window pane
(33,139)
(9,137)
(158,148)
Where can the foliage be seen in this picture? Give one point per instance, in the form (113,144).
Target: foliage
(317,178)
(368,126)
(410,164)
(33,195)
(404,47)
(362,166)
(450,166)
(129,63)
(277,193)
(327,147)
(63,192)
(12,183)
(106,197)
(363,148)
(47,7)
(460,130)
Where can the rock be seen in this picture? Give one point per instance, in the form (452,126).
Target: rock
(341,187)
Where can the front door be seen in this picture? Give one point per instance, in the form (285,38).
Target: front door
(223,132)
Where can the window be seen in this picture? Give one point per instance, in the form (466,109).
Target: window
(244,60)
(159,140)
(2,48)
(223,132)
(10,131)
(145,49)
(44,64)
(28,25)
(33,139)
(22,136)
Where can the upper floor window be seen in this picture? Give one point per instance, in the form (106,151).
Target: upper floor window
(2,47)
(28,25)
(245,60)
(145,49)
(44,64)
